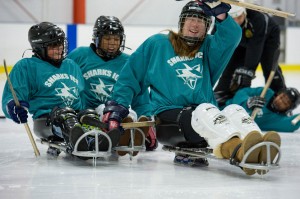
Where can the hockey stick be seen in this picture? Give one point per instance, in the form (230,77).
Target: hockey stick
(269,81)
(257,8)
(36,151)
(296,120)
(97,123)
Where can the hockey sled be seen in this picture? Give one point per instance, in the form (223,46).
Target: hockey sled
(56,147)
(207,153)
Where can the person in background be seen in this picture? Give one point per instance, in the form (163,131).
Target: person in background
(259,43)
(276,108)
(101,64)
(181,70)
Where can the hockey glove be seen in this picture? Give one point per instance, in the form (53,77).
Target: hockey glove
(151,141)
(214,8)
(113,114)
(256,102)
(241,78)
(18,114)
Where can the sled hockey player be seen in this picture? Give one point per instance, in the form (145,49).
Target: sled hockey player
(276,108)
(259,43)
(48,86)
(181,70)
(101,64)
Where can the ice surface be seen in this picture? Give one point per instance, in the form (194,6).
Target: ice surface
(148,175)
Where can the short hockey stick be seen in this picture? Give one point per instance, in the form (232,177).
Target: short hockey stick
(36,151)
(94,122)
(257,8)
(269,81)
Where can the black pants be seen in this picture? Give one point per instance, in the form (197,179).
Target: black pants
(174,129)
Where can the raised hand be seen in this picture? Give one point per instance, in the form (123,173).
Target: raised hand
(214,7)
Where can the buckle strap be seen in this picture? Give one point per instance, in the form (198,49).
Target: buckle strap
(232,160)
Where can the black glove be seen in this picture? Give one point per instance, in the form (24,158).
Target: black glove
(214,7)
(241,78)
(18,114)
(113,114)
(256,102)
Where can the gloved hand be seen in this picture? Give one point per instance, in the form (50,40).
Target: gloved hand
(256,102)
(113,114)
(18,114)
(214,7)
(241,78)
(151,141)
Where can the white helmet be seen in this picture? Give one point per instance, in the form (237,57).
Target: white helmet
(236,11)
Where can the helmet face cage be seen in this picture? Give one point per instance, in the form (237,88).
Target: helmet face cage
(46,34)
(108,25)
(192,9)
(294,98)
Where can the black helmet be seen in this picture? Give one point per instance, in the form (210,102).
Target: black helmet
(292,94)
(108,25)
(192,9)
(45,34)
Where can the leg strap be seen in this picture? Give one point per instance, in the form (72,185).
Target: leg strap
(232,160)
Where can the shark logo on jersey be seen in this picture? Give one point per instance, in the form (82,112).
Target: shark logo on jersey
(101,90)
(189,74)
(67,94)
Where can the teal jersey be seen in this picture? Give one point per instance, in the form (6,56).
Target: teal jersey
(266,119)
(100,77)
(45,86)
(175,81)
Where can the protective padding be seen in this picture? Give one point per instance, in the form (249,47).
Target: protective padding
(209,122)
(101,107)
(241,119)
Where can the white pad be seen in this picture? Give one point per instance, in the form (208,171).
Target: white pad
(209,122)
(101,107)
(239,117)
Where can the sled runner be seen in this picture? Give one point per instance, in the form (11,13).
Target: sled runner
(208,154)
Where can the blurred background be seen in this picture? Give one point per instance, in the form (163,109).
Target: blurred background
(141,18)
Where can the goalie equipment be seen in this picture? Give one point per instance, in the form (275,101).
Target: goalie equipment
(209,122)
(240,119)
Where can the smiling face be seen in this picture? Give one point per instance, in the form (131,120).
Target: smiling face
(194,27)
(282,102)
(55,52)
